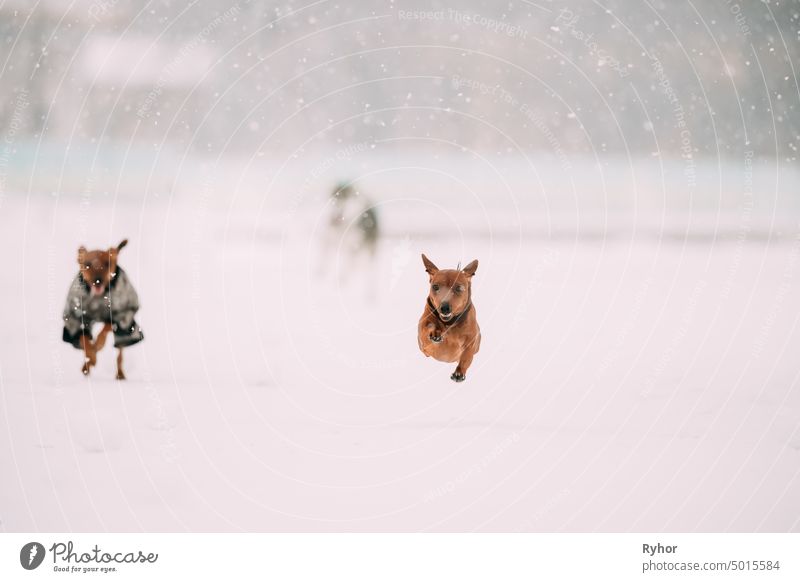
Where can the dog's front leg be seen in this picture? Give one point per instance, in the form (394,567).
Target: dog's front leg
(120,373)
(101,338)
(89,354)
(464,363)
(434,333)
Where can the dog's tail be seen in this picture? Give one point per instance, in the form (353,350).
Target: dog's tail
(121,245)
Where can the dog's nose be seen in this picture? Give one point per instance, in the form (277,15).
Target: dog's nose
(445,308)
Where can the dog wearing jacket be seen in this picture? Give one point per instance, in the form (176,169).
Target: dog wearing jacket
(101,293)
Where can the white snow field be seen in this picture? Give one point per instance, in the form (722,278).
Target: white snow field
(637,378)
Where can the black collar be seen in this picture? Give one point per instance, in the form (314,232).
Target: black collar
(455,319)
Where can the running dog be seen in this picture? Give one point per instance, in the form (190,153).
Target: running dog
(352,227)
(101,293)
(448,329)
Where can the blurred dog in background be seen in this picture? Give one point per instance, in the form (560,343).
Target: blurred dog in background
(353,230)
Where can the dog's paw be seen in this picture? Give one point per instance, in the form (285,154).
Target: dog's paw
(86,368)
(120,375)
(437,339)
(456,377)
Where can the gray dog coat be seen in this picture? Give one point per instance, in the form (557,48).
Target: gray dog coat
(117,306)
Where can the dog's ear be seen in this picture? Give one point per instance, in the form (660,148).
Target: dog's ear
(430,268)
(471,268)
(114,251)
(81,254)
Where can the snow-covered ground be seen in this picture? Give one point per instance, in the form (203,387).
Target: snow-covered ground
(625,382)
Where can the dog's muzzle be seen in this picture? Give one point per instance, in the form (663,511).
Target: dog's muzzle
(444,312)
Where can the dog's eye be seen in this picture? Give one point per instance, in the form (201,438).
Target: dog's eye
(435,288)
(459,288)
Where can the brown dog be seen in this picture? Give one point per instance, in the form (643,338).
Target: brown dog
(448,329)
(101,293)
